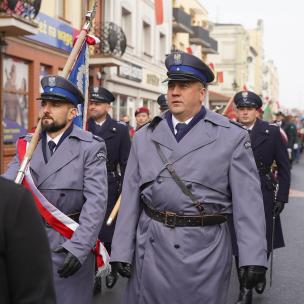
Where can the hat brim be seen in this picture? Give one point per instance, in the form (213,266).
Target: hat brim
(248,106)
(182,77)
(99,100)
(54,97)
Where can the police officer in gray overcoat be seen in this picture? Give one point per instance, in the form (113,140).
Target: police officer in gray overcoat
(187,170)
(69,168)
(268,148)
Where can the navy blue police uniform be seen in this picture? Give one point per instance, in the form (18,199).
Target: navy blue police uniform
(268,147)
(118,144)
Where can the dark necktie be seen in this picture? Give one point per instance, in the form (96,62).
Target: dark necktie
(52,146)
(180,127)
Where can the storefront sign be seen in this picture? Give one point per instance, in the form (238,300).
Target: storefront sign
(131,71)
(54,33)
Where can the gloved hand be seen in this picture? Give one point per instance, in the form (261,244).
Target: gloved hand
(70,265)
(253,276)
(278,208)
(124,269)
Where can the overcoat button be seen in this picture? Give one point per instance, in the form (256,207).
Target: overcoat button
(176,246)
(159,180)
(151,240)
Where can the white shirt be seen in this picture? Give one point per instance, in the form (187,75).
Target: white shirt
(55,140)
(100,123)
(175,122)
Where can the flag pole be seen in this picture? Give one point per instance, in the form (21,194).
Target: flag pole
(66,71)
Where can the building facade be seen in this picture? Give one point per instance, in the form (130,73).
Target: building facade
(39,46)
(137,77)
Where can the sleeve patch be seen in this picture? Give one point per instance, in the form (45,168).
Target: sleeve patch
(247,145)
(100,155)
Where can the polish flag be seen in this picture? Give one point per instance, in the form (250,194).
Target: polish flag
(159,12)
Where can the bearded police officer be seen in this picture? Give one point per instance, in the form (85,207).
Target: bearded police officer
(117,139)
(69,169)
(183,177)
(268,147)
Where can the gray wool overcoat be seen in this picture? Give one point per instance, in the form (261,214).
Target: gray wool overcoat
(74,180)
(189,264)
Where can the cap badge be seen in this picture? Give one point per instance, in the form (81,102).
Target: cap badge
(52,81)
(244,94)
(95,89)
(177,57)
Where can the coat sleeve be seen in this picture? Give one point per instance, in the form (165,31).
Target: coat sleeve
(125,230)
(29,265)
(124,150)
(95,192)
(12,169)
(247,205)
(283,164)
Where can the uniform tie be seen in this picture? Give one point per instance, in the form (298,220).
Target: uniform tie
(180,127)
(52,146)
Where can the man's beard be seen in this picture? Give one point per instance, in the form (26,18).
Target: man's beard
(53,127)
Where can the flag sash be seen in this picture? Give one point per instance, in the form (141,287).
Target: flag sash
(59,221)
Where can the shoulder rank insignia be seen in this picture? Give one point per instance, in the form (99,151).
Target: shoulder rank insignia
(236,123)
(97,138)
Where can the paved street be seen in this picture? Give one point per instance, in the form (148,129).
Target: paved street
(288,262)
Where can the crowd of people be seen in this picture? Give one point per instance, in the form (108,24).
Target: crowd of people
(194,189)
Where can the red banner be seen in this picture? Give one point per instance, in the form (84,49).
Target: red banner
(159,15)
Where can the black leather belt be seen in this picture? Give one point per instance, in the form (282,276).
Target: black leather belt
(172,219)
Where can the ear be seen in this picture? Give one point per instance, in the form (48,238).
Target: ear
(202,93)
(72,113)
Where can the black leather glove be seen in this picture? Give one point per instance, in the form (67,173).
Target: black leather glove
(278,208)
(124,269)
(253,276)
(70,265)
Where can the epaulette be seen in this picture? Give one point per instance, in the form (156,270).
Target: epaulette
(97,138)
(236,123)
(154,123)
(121,122)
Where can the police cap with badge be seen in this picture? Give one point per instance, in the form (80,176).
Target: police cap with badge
(185,67)
(57,88)
(162,101)
(101,95)
(247,99)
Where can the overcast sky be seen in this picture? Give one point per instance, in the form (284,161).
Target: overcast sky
(283,37)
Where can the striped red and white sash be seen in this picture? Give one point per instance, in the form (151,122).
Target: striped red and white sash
(56,218)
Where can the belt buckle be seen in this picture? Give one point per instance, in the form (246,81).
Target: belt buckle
(170,219)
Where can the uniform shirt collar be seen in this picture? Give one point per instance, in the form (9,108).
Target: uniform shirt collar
(175,122)
(100,123)
(55,140)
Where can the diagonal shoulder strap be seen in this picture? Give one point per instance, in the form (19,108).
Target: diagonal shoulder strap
(177,179)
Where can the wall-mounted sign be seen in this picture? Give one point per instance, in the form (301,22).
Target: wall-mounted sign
(152,79)
(54,33)
(130,71)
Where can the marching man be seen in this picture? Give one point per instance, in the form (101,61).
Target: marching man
(68,171)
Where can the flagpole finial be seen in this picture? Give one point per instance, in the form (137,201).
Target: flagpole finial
(90,15)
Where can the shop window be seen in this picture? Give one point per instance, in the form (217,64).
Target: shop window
(15,98)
